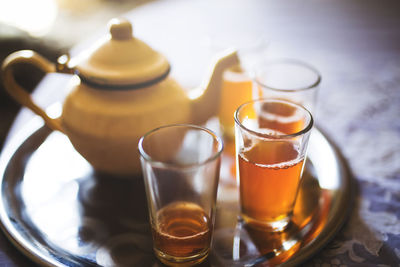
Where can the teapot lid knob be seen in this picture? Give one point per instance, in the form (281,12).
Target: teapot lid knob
(120,29)
(119,60)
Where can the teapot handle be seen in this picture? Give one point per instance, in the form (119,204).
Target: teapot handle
(18,92)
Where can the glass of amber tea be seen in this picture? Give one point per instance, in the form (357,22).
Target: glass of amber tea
(287,79)
(181,165)
(271,139)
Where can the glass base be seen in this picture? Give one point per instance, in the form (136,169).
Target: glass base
(181,261)
(233,247)
(272,226)
(246,245)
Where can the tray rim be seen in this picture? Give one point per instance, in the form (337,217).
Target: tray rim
(345,199)
(346,203)
(13,235)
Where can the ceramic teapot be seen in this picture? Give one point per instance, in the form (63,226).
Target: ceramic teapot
(123,91)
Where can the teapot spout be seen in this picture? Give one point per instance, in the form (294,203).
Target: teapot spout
(205,99)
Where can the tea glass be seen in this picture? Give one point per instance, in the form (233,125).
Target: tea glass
(271,142)
(181,165)
(237,85)
(236,88)
(287,79)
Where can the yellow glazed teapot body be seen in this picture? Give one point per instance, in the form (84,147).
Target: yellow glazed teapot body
(121,91)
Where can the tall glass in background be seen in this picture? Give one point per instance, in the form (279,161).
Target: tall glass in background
(237,88)
(271,142)
(287,79)
(181,165)
(237,85)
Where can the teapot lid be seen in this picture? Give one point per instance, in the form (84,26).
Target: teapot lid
(120,60)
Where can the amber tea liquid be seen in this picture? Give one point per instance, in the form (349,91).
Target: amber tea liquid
(270,173)
(182,233)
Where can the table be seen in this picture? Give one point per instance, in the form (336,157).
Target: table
(355,45)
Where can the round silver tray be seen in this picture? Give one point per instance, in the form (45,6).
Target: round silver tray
(59,212)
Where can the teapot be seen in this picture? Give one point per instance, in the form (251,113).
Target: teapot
(123,90)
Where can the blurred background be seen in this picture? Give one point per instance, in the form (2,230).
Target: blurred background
(355,44)
(50,27)
(347,40)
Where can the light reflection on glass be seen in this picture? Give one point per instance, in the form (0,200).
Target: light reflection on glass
(54,111)
(287,245)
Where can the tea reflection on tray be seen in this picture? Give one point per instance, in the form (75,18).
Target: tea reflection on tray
(240,244)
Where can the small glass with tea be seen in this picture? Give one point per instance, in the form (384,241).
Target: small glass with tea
(181,165)
(271,142)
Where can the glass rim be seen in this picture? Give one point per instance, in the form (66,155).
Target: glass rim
(286,61)
(159,163)
(274,136)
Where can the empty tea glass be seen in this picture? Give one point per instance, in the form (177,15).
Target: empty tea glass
(287,79)
(271,141)
(181,165)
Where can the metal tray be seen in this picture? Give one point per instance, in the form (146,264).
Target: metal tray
(59,212)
